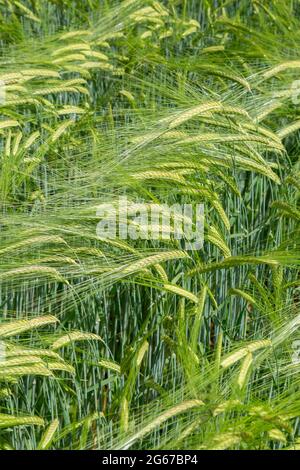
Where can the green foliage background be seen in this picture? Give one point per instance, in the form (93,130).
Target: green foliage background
(141,344)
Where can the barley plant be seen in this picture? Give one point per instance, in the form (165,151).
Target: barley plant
(122,343)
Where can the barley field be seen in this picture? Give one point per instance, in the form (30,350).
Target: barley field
(143,342)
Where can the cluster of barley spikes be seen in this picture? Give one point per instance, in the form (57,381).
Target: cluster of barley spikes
(140,344)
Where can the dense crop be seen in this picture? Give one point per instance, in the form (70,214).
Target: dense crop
(144,344)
